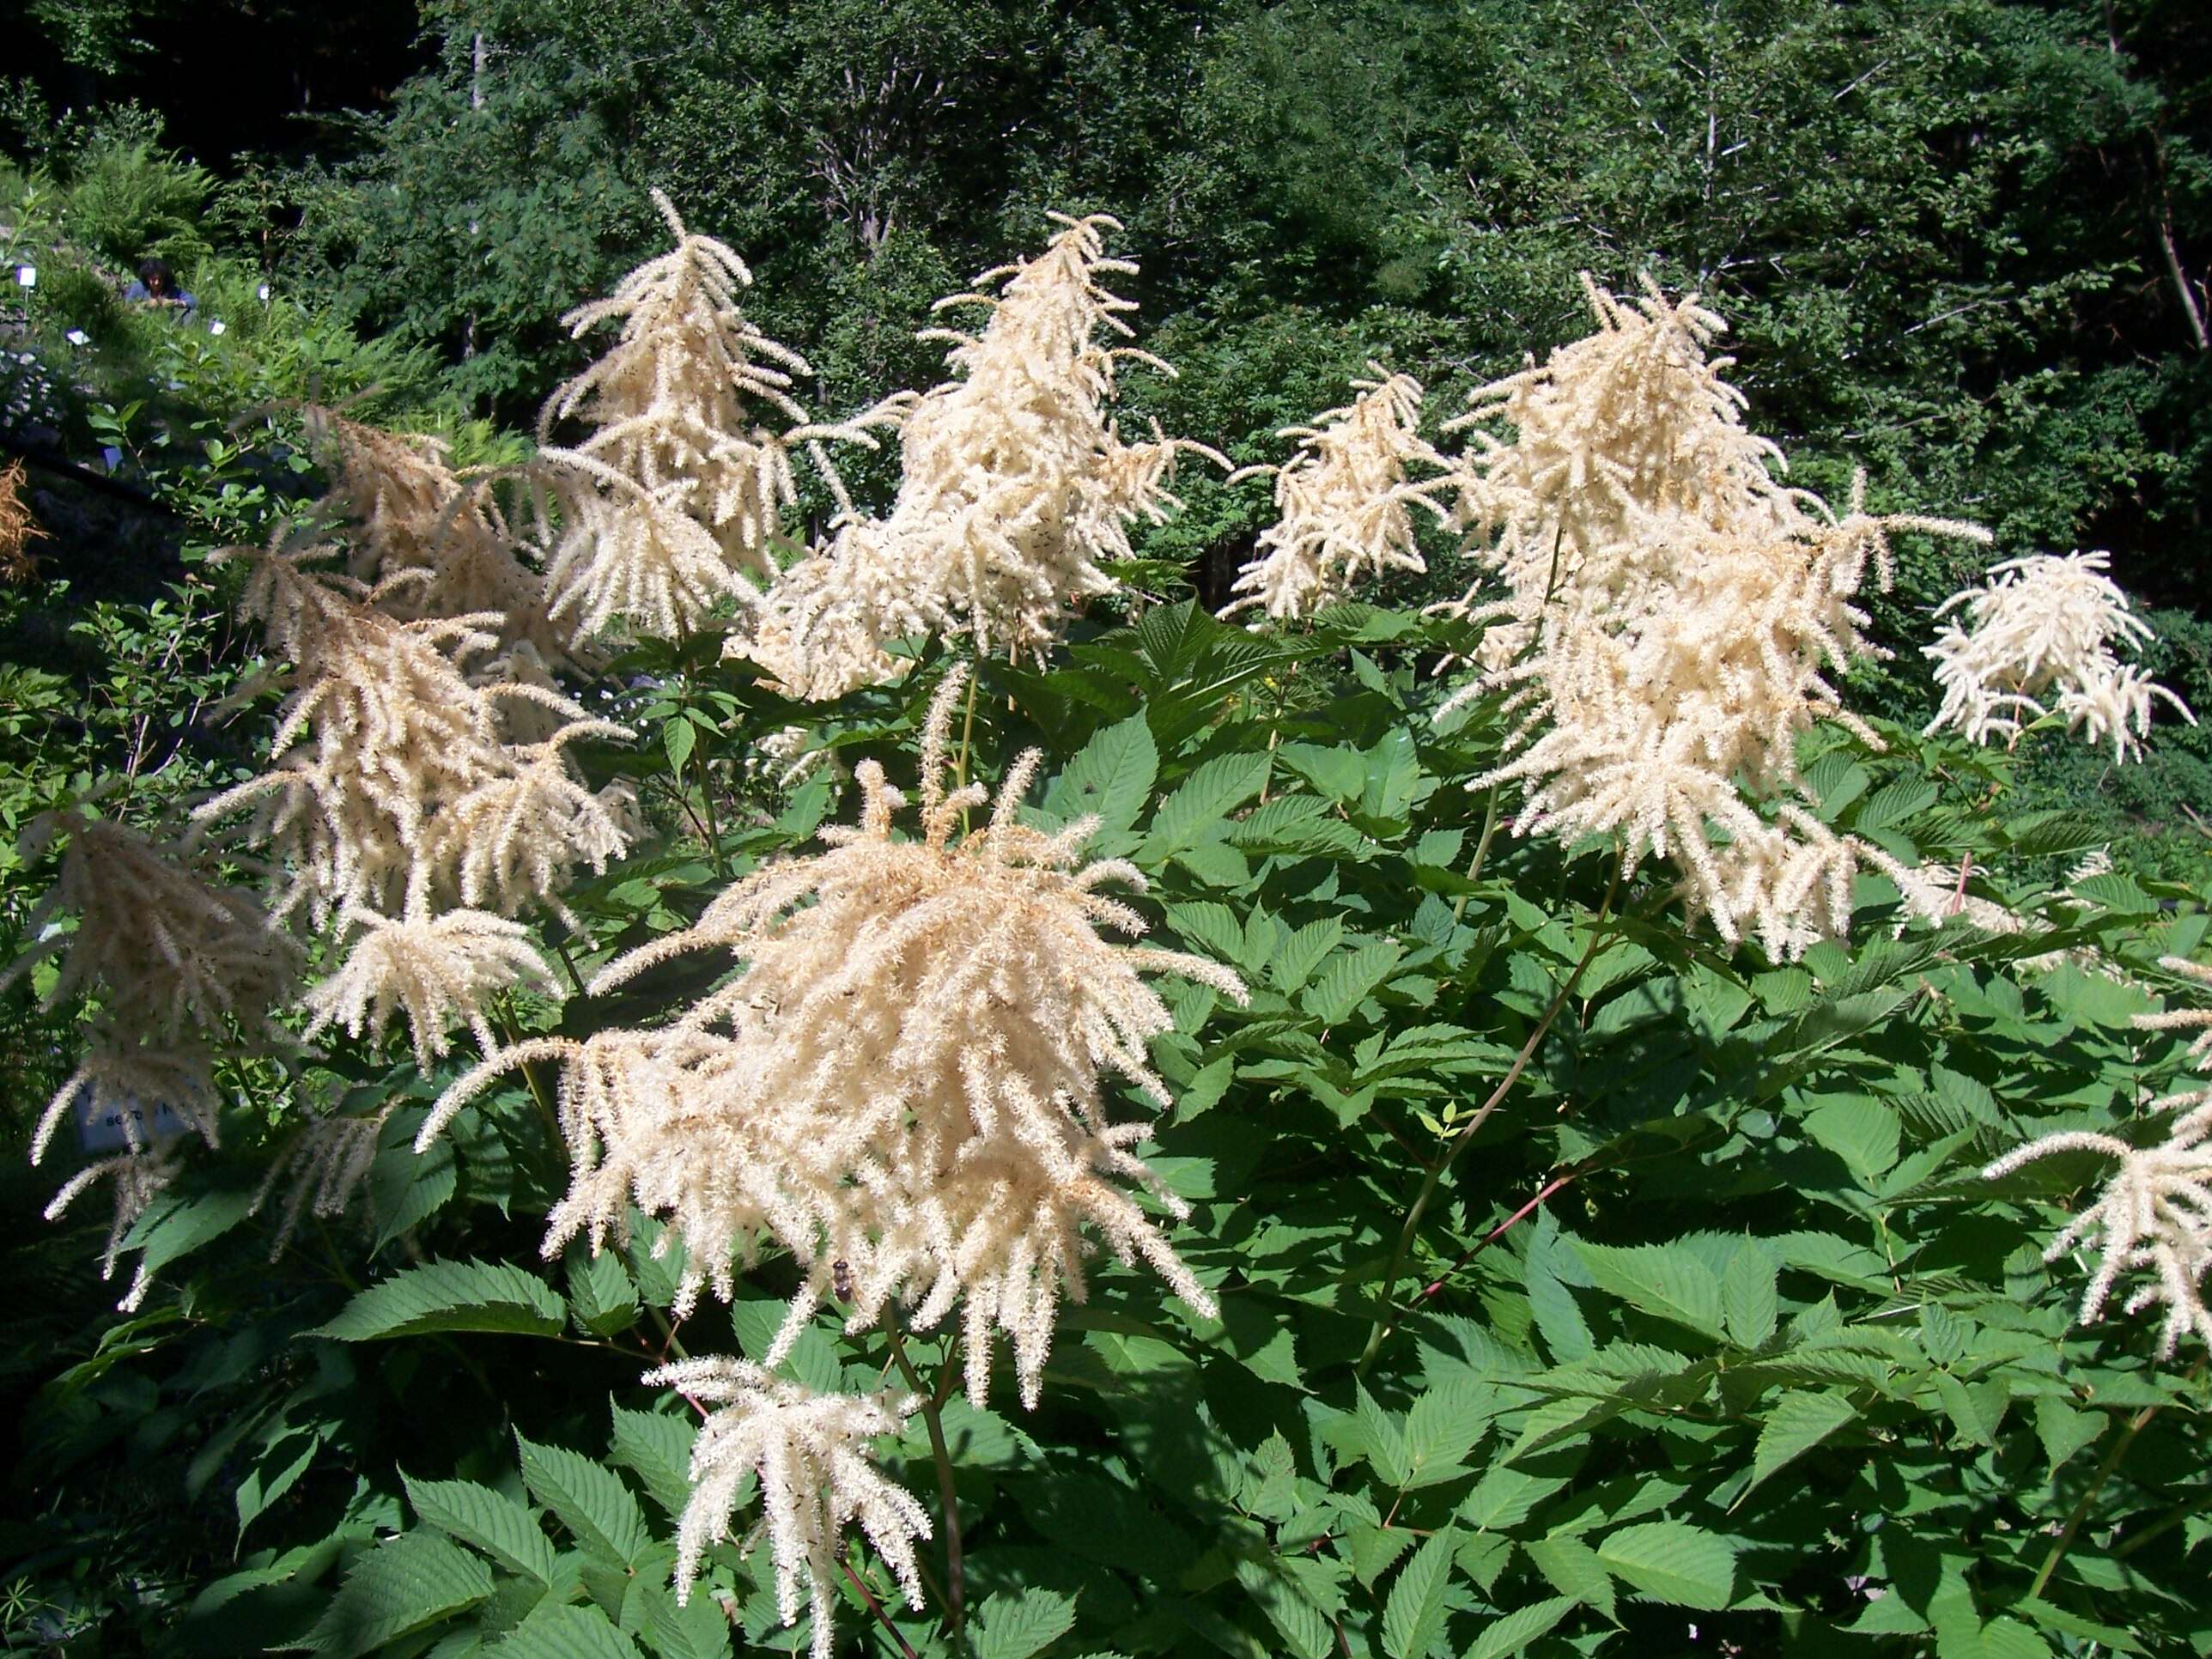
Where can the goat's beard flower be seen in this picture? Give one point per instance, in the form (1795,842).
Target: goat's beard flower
(810,1453)
(1345,503)
(905,1078)
(167,951)
(1670,614)
(433,540)
(392,782)
(681,486)
(172,957)
(1017,489)
(438,970)
(2155,1213)
(2043,635)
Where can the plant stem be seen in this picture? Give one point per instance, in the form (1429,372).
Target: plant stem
(874,1606)
(955,1609)
(1386,1317)
(575,978)
(2119,1450)
(1481,849)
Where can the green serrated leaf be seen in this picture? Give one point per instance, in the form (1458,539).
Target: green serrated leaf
(1517,1629)
(600,1296)
(477,1515)
(1111,776)
(1346,978)
(1413,1616)
(1297,956)
(1672,1561)
(1202,803)
(1441,1428)
(1799,1422)
(1015,1623)
(404,1584)
(1749,1302)
(555,1631)
(591,1501)
(1573,1569)
(680,736)
(450,1296)
(1304,1626)
(657,1448)
(1665,1280)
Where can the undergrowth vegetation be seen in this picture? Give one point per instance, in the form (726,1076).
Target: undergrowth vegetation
(1487,1128)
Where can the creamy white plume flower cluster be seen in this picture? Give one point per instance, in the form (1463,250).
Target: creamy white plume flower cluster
(2043,636)
(438,969)
(680,487)
(906,1078)
(392,783)
(171,958)
(2155,1211)
(437,541)
(1670,614)
(1017,489)
(1345,505)
(811,1454)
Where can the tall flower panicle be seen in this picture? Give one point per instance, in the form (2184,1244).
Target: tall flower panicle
(906,1077)
(2043,636)
(172,957)
(435,542)
(1345,504)
(681,485)
(1017,489)
(810,1453)
(392,784)
(1670,616)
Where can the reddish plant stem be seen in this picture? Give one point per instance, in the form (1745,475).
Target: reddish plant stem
(1500,1230)
(845,1561)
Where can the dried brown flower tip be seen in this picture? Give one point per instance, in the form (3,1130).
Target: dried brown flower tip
(18,529)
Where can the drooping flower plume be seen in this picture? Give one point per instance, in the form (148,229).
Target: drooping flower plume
(1345,504)
(907,1076)
(392,783)
(681,486)
(438,970)
(812,1455)
(2154,1214)
(2043,636)
(172,957)
(1017,489)
(1669,617)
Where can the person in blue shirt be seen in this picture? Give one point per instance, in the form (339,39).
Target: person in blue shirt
(157,286)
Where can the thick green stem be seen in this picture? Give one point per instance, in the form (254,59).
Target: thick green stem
(955,1609)
(1386,1316)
